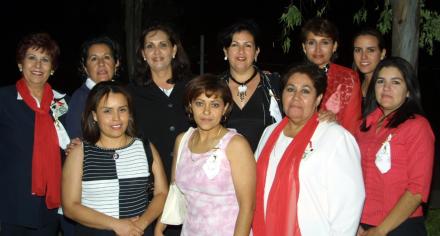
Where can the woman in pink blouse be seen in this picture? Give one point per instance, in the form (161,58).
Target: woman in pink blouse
(397,150)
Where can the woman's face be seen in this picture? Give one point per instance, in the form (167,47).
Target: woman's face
(299,98)
(112,115)
(36,67)
(319,49)
(100,63)
(208,111)
(391,90)
(367,54)
(158,50)
(242,52)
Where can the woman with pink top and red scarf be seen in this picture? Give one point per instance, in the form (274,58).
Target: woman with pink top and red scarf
(309,179)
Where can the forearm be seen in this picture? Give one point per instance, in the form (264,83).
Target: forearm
(89,217)
(244,221)
(153,210)
(406,205)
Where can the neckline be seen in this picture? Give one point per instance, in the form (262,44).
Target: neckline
(216,146)
(118,148)
(246,81)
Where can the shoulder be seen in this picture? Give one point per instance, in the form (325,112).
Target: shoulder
(344,73)
(333,131)
(7,91)
(417,125)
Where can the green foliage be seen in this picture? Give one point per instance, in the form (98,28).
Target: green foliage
(429,30)
(360,16)
(429,22)
(385,21)
(432,222)
(290,19)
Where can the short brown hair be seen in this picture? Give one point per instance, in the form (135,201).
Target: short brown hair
(208,84)
(38,41)
(91,132)
(321,27)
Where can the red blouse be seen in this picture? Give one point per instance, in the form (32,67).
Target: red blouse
(343,96)
(412,156)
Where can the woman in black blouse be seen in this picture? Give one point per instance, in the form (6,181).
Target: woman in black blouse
(162,71)
(255,94)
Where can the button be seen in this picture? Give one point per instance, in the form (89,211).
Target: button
(172,128)
(170,105)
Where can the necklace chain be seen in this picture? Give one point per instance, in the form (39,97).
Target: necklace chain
(242,86)
(213,148)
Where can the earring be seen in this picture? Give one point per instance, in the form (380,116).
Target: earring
(224,118)
(225,58)
(255,59)
(145,59)
(174,56)
(190,117)
(52,72)
(20,69)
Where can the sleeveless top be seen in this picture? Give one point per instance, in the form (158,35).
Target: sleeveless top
(115,181)
(206,181)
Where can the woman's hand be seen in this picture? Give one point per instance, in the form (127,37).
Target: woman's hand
(127,227)
(375,231)
(327,116)
(73,143)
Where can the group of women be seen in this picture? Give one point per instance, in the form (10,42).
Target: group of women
(323,166)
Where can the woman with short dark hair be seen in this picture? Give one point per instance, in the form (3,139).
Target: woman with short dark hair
(31,135)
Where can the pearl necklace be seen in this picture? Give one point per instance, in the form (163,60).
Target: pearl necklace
(242,86)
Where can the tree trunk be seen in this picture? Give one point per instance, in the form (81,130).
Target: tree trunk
(405,39)
(133,24)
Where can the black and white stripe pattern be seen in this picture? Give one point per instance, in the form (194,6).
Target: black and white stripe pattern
(116,187)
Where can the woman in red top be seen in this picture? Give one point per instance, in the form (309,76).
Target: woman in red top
(397,150)
(343,94)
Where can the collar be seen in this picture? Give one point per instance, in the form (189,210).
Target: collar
(56,95)
(90,83)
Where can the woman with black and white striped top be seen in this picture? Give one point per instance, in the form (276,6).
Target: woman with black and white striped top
(105,180)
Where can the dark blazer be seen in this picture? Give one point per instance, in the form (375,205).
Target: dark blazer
(76,108)
(17,205)
(160,118)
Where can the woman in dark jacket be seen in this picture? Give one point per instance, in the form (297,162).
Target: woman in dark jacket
(31,135)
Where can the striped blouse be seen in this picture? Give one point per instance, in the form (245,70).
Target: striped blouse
(115,181)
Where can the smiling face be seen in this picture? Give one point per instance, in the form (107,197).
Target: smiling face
(391,90)
(208,111)
(36,67)
(100,63)
(242,52)
(299,98)
(158,50)
(319,49)
(367,54)
(112,115)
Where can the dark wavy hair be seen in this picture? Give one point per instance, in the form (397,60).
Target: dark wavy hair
(38,41)
(180,64)
(210,85)
(225,37)
(316,75)
(91,131)
(412,104)
(114,48)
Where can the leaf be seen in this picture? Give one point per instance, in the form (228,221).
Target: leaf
(360,16)
(290,19)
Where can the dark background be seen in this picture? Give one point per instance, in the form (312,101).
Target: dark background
(72,22)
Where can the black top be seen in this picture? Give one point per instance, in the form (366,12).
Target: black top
(17,204)
(160,118)
(255,115)
(76,108)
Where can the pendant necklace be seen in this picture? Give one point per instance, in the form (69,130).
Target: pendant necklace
(242,87)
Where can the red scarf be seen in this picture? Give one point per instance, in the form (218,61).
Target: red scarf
(46,157)
(281,211)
